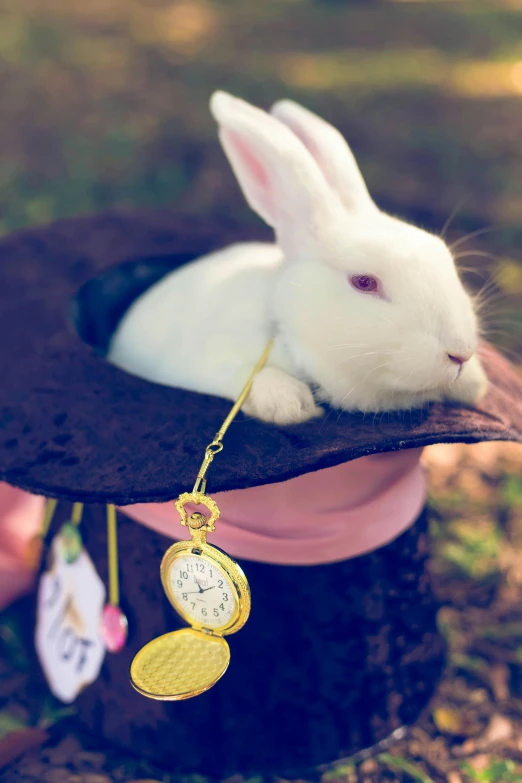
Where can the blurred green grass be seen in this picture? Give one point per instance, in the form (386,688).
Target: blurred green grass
(107,103)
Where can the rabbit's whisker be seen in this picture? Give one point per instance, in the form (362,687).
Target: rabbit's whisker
(453,214)
(485,306)
(477,233)
(506,321)
(487,291)
(369,353)
(347,345)
(382,317)
(472,270)
(373,397)
(368,405)
(482,253)
(374,369)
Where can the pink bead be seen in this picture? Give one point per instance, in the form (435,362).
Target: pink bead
(113,628)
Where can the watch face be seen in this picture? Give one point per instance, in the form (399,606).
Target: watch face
(203,591)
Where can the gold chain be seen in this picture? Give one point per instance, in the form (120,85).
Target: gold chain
(112,555)
(216,446)
(77,512)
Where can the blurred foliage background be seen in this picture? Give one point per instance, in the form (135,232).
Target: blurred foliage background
(106,103)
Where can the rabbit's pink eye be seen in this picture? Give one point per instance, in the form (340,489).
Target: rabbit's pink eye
(365,283)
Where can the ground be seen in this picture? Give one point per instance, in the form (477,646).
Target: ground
(106,104)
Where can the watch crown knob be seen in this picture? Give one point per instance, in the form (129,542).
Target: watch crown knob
(197,520)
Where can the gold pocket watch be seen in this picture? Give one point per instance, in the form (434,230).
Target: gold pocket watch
(210,592)
(206,588)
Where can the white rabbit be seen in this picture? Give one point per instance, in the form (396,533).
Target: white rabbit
(366,310)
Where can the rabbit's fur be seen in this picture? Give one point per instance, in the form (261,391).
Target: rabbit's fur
(204,326)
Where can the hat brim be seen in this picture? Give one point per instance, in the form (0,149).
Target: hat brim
(77,428)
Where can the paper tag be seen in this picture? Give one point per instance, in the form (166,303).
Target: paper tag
(71,597)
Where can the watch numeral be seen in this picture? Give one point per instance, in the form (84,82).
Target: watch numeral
(186,570)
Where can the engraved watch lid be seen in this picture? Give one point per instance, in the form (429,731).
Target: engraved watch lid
(180,665)
(78,428)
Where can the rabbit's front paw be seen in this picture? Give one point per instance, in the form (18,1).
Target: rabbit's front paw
(279,398)
(472,384)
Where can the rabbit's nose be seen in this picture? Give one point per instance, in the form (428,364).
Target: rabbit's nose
(460,360)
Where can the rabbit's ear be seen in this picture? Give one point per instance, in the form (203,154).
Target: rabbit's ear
(279,178)
(329,149)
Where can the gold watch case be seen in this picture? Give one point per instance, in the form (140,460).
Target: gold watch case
(233,571)
(188,662)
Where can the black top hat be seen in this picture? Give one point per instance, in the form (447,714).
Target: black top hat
(75,427)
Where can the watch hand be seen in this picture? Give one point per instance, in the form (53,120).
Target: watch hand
(195,592)
(200,589)
(208,588)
